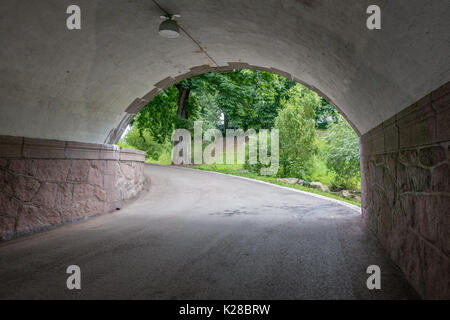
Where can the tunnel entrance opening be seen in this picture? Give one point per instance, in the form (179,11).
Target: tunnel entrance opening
(64,91)
(322,154)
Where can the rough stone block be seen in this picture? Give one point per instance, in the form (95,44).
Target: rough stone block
(25,188)
(46,195)
(416,124)
(31,218)
(436,272)
(409,156)
(82,192)
(95,177)
(24,167)
(64,196)
(127,170)
(426,216)
(79,171)
(431,156)
(100,194)
(440,181)
(109,182)
(412,263)
(8,215)
(51,170)
(419,178)
(6,182)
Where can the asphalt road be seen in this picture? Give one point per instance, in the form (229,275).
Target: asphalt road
(199,235)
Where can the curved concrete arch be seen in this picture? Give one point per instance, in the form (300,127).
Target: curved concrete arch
(165,83)
(75,85)
(64,93)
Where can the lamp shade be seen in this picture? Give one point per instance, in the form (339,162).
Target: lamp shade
(169,29)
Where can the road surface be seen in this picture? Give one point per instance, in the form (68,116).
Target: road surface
(200,235)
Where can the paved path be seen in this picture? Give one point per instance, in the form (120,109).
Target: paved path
(199,235)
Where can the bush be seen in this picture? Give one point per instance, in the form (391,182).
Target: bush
(343,155)
(143,141)
(297,131)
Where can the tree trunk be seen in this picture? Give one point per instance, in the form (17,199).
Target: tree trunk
(183,98)
(225,121)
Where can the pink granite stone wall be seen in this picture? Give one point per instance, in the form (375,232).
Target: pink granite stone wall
(47,183)
(406,191)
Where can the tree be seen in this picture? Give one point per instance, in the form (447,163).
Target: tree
(325,114)
(296,124)
(159,116)
(343,154)
(144,141)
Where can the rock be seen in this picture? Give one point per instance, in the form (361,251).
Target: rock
(318,185)
(51,170)
(33,218)
(300,182)
(126,170)
(345,193)
(83,192)
(64,195)
(46,195)
(288,180)
(8,214)
(79,171)
(95,176)
(440,181)
(25,188)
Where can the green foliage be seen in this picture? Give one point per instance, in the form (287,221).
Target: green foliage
(325,114)
(343,154)
(143,140)
(247,98)
(159,116)
(295,122)
(316,143)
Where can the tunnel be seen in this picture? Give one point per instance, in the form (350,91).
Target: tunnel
(68,95)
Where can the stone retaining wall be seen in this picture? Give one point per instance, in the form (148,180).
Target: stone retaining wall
(405,177)
(46,183)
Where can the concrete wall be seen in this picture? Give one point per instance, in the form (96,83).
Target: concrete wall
(76,85)
(406,190)
(44,183)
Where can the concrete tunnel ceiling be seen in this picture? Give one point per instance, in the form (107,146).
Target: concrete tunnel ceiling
(76,85)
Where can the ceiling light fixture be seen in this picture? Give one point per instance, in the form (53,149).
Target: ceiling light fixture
(169,27)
